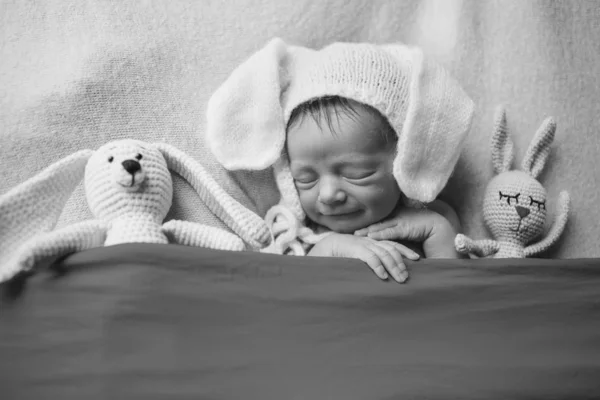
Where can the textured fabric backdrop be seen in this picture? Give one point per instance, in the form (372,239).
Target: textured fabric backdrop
(75,74)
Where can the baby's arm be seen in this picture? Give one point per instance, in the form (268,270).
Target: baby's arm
(435,227)
(447,212)
(382,257)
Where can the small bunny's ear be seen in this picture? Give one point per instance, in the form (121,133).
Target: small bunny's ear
(245,122)
(503,148)
(34,206)
(539,149)
(246,224)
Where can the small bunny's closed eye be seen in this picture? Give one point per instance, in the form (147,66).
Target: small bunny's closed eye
(514,207)
(512,199)
(540,204)
(509,197)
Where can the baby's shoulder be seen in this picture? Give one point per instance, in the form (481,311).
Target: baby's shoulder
(446,211)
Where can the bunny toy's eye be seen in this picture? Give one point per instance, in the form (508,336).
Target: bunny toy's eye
(138,157)
(540,204)
(110,159)
(509,197)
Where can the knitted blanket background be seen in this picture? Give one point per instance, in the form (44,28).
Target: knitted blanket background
(76,74)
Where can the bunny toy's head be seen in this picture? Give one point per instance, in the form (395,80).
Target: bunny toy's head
(514,207)
(128,176)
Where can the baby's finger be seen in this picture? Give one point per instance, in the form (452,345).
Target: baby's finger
(403,230)
(392,261)
(376,227)
(404,251)
(402,274)
(367,255)
(385,234)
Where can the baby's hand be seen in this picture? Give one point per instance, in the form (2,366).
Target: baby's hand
(424,226)
(382,257)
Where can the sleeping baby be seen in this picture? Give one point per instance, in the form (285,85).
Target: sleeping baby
(362,139)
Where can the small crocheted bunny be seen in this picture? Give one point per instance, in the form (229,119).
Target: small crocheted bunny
(514,206)
(129,190)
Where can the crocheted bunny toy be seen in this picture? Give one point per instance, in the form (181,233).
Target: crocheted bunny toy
(514,206)
(129,190)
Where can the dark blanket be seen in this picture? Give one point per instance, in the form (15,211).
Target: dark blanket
(171,322)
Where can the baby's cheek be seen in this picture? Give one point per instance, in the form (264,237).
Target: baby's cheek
(383,199)
(307,200)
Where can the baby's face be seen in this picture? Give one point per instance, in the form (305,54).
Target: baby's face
(344,178)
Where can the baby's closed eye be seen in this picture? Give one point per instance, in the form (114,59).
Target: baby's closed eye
(358,175)
(305,180)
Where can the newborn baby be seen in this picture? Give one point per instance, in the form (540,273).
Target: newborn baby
(362,138)
(341,156)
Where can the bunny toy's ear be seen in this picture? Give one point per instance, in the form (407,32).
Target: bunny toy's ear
(245,122)
(539,148)
(246,224)
(501,143)
(34,206)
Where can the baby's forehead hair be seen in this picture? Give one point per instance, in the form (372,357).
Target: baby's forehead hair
(329,108)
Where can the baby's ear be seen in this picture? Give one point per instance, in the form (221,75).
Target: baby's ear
(539,149)
(501,143)
(245,121)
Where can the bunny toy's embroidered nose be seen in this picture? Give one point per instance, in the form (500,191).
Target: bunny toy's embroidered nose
(131,166)
(522,211)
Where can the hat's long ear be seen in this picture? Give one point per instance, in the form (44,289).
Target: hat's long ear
(438,119)
(246,224)
(245,122)
(34,206)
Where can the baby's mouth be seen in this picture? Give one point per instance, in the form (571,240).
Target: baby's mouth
(340,214)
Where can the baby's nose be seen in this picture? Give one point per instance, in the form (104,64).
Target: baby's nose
(522,211)
(331,194)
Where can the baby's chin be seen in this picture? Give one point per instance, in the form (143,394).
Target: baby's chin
(341,229)
(343,225)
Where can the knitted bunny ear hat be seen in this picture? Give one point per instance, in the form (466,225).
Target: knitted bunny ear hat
(247,115)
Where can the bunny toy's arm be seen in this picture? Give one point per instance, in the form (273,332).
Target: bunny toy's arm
(52,245)
(248,225)
(194,234)
(557,228)
(480,248)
